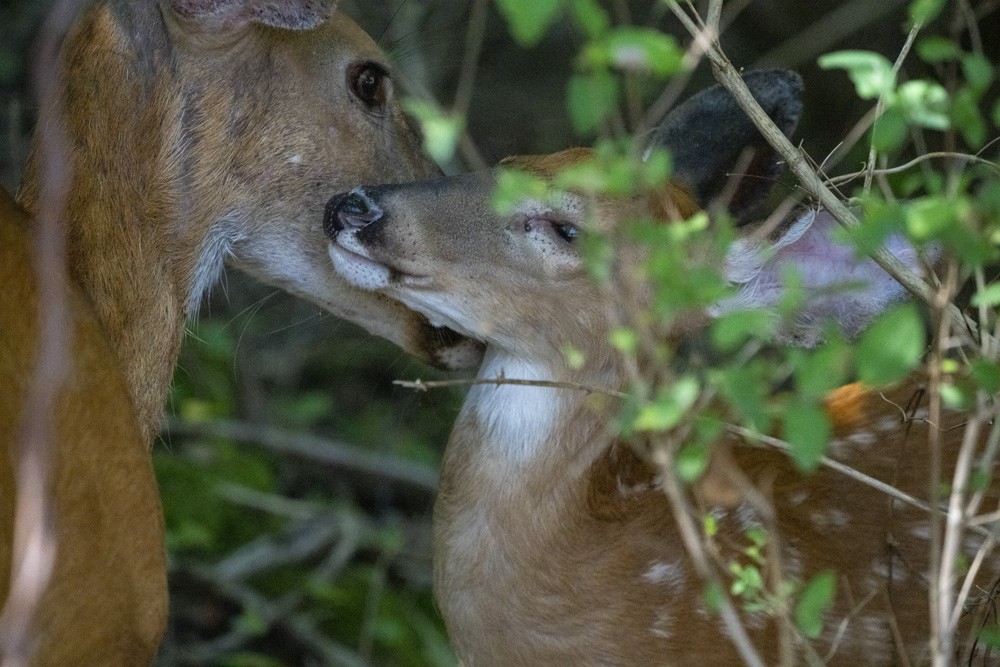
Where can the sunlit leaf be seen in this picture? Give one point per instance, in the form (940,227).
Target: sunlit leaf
(956,397)
(513,187)
(988,296)
(871,72)
(925,104)
(669,407)
(632,49)
(441,129)
(692,461)
(624,340)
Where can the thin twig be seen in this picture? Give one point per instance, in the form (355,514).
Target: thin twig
(422,385)
(846,178)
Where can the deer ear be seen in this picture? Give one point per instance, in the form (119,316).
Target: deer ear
(708,135)
(226,15)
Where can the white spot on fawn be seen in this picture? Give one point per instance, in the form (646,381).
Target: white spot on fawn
(295,159)
(663,624)
(662,572)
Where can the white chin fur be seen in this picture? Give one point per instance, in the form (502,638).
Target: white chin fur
(357,270)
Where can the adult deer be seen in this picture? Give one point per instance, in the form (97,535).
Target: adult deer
(554,543)
(199,132)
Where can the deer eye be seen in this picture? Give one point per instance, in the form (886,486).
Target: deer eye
(369,83)
(566,231)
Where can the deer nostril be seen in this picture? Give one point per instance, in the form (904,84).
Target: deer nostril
(351,210)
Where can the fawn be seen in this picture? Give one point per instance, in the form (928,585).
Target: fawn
(554,541)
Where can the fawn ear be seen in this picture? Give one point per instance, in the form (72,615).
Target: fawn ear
(708,135)
(227,15)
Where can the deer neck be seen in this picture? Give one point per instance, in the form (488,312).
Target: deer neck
(516,451)
(142,244)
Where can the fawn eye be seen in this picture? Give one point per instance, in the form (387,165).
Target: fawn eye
(369,83)
(566,231)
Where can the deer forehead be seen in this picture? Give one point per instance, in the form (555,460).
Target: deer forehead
(669,201)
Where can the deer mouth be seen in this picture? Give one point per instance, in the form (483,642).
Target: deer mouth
(354,263)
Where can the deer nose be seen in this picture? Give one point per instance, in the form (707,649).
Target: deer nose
(352,210)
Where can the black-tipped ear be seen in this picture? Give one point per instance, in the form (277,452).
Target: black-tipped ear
(707,135)
(219,15)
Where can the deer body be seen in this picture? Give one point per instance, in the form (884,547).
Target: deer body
(200,133)
(554,541)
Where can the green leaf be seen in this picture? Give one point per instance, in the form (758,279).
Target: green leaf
(924,11)
(441,129)
(806,428)
(879,220)
(978,72)
(730,331)
(928,218)
(871,72)
(669,406)
(514,186)
(590,16)
(815,599)
(925,104)
(956,397)
(986,374)
(624,340)
(591,99)
(990,636)
(889,130)
(938,49)
(692,461)
(529,19)
(822,370)
(635,50)
(988,296)
(891,347)
(965,114)
(714,595)
(745,389)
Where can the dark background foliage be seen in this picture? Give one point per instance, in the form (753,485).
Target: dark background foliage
(297,479)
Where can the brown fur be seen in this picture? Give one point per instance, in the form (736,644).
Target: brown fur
(107,603)
(554,543)
(195,138)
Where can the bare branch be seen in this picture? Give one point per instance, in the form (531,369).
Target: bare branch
(421,385)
